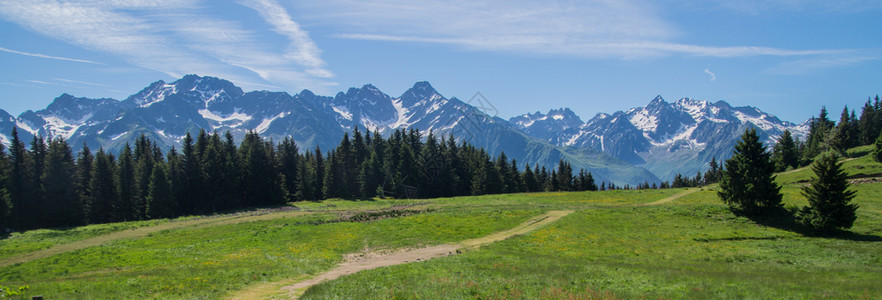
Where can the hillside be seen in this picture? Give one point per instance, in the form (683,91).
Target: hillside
(663,137)
(616,244)
(166,112)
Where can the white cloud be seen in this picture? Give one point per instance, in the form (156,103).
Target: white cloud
(79,82)
(301,49)
(758,7)
(713,77)
(175,37)
(812,65)
(623,29)
(48,56)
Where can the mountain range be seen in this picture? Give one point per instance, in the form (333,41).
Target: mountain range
(643,144)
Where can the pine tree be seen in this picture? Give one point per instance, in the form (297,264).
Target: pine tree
(713,174)
(5,202)
(160,200)
(869,123)
(288,160)
(60,187)
(84,176)
(102,187)
(18,183)
(124,209)
(190,185)
(565,176)
(829,197)
(174,173)
(318,174)
(231,175)
(529,178)
(213,166)
(840,137)
(748,183)
(877,151)
(144,161)
(37,165)
(785,153)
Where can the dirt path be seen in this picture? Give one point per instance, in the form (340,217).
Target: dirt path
(366,261)
(672,198)
(144,231)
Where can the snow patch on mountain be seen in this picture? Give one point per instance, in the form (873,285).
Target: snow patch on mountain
(265,124)
(343,112)
(58,127)
(156,95)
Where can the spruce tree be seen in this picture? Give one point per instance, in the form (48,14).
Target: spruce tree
(231,176)
(102,189)
(36,200)
(877,150)
(18,183)
(5,202)
(784,153)
(288,160)
(869,123)
(160,201)
(748,183)
(84,174)
(124,209)
(529,178)
(829,197)
(840,137)
(63,206)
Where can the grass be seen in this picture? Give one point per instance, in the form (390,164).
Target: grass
(615,245)
(214,261)
(693,250)
(692,247)
(24,242)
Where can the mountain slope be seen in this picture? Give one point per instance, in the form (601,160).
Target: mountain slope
(665,138)
(166,112)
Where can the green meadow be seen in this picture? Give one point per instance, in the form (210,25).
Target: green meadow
(675,243)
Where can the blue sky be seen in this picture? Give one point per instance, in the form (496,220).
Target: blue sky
(787,57)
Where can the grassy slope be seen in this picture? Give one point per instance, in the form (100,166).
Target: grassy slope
(213,261)
(689,247)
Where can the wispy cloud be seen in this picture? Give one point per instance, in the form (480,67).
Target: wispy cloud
(175,37)
(813,65)
(79,82)
(593,28)
(48,56)
(301,49)
(757,7)
(713,77)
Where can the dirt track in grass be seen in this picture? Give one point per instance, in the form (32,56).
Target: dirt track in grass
(673,197)
(366,261)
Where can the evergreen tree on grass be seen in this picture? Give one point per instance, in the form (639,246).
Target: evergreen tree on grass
(785,153)
(748,184)
(829,198)
(877,151)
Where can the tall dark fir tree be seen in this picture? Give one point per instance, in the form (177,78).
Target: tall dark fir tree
(785,153)
(63,206)
(748,183)
(829,197)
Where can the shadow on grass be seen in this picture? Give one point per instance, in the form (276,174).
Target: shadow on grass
(787,219)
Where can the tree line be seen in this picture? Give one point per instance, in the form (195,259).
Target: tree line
(47,185)
(826,135)
(747,182)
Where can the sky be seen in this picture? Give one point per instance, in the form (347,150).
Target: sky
(785,57)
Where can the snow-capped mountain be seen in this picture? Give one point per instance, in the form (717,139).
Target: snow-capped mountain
(165,112)
(665,138)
